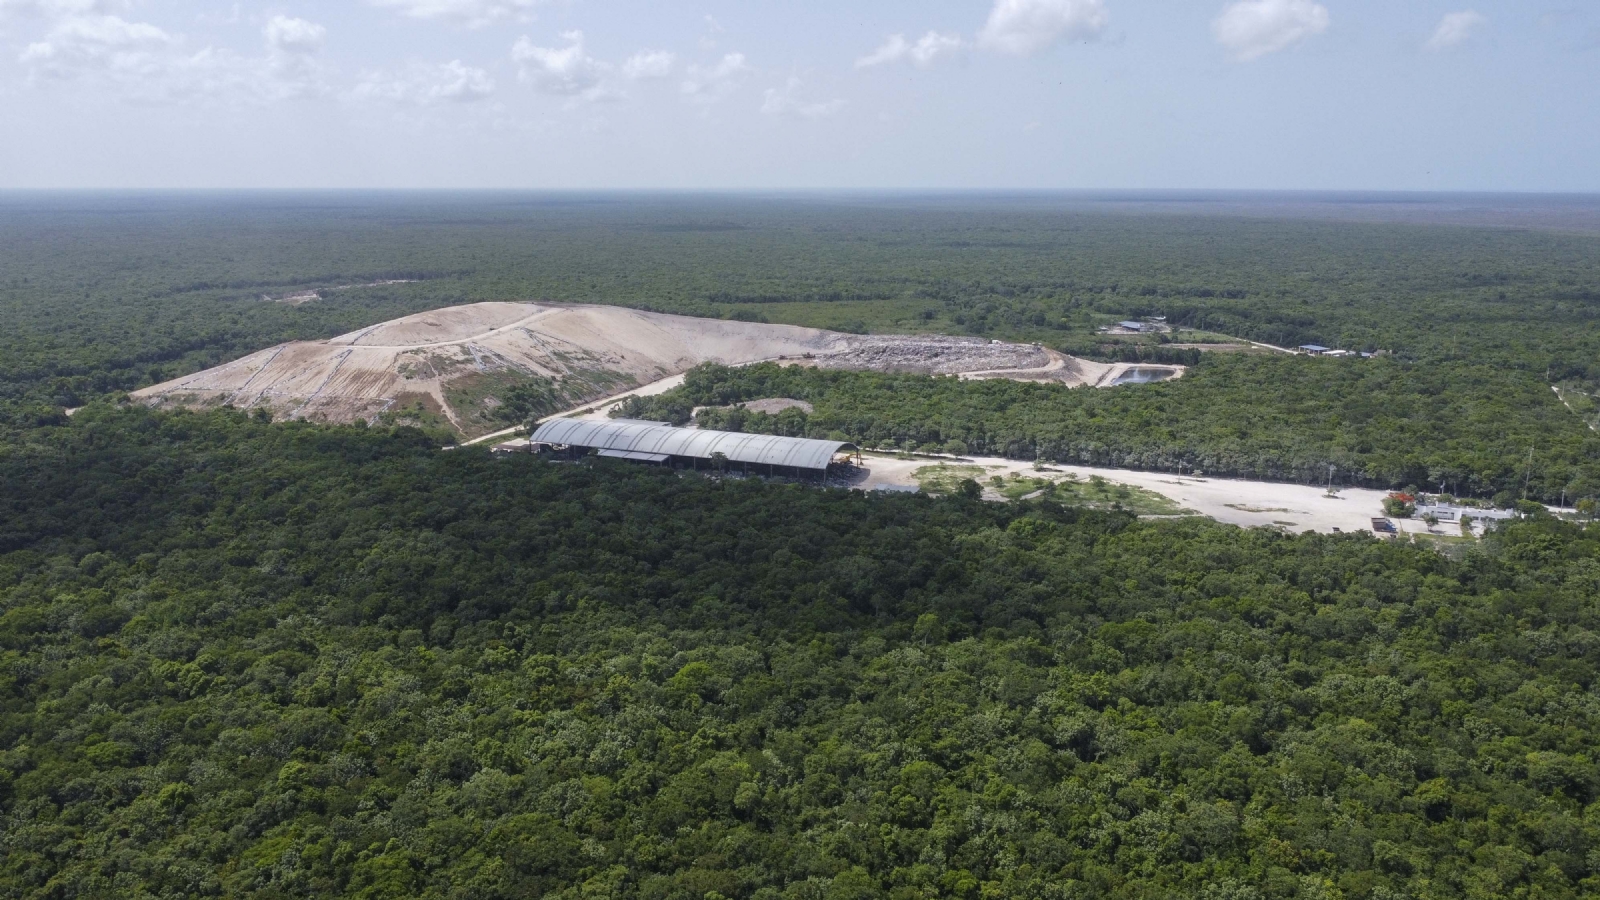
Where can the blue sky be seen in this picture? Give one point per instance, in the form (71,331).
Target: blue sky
(1017,94)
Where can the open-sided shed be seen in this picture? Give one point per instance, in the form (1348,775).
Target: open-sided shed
(658,443)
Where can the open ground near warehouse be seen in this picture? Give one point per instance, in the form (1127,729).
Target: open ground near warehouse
(1292,507)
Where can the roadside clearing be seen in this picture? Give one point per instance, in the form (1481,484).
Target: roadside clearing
(1251,504)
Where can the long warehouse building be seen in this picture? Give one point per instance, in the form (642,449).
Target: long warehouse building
(653,442)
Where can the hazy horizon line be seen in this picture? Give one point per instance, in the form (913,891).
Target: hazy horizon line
(825,191)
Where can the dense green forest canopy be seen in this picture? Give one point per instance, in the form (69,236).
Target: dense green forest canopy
(284,660)
(244,658)
(1380,423)
(105,293)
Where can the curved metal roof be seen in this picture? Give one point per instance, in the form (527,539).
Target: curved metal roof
(651,437)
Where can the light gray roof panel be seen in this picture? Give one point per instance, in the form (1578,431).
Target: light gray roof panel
(633,455)
(654,439)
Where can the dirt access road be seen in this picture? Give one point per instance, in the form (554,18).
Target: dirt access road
(598,410)
(452,362)
(1236,501)
(1250,504)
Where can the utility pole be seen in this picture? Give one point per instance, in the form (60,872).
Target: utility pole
(1527,475)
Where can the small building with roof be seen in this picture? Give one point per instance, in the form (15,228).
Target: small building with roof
(1450,512)
(693,448)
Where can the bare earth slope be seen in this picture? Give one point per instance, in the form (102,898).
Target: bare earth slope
(451,362)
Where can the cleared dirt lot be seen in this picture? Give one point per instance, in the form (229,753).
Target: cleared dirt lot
(1292,507)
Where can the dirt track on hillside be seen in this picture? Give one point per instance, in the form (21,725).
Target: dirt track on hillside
(451,362)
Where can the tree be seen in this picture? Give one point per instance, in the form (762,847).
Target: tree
(1398,506)
(526,682)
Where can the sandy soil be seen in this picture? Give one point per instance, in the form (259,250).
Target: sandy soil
(592,351)
(1240,347)
(364,373)
(1292,507)
(300,297)
(1273,347)
(1075,372)
(1249,504)
(601,410)
(771,406)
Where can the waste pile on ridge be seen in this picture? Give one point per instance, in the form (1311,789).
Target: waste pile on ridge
(934,355)
(460,364)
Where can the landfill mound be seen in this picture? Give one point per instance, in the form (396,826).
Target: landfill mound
(934,355)
(463,365)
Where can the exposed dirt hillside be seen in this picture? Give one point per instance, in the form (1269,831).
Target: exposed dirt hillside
(462,363)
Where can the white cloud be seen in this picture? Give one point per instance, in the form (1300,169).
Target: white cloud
(427,85)
(87,45)
(292,63)
(290,35)
(1456,28)
(471,13)
(710,84)
(145,63)
(567,71)
(786,102)
(1251,29)
(924,52)
(649,64)
(1024,27)
(56,8)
